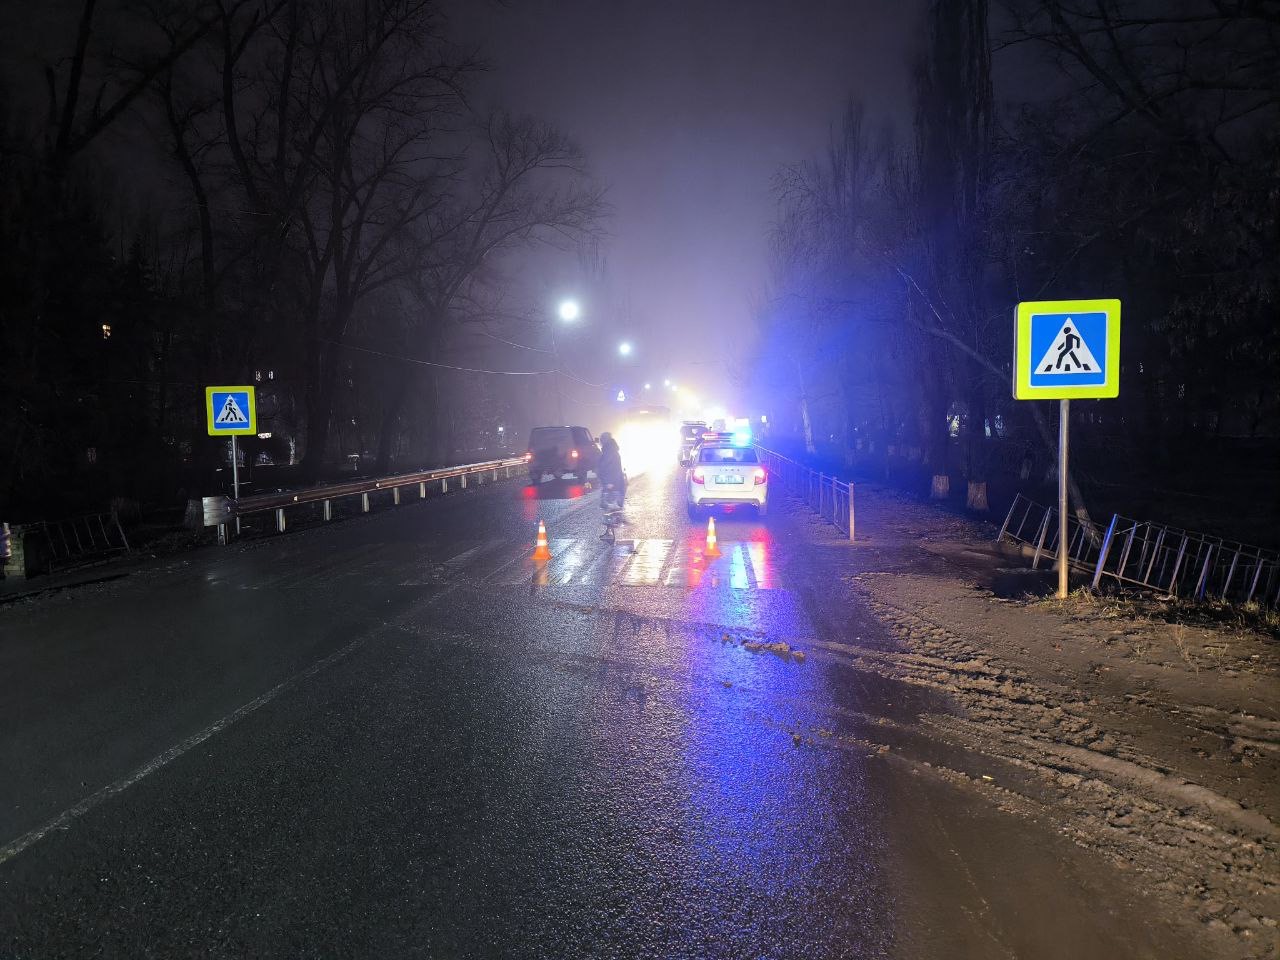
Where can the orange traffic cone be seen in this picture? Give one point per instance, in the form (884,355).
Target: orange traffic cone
(541,549)
(713,548)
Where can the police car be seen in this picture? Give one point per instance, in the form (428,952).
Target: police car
(726,473)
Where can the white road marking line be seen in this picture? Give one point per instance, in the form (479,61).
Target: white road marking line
(64,820)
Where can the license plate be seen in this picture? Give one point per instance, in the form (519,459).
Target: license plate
(728,480)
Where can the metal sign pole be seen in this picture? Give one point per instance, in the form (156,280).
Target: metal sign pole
(235,478)
(1064,419)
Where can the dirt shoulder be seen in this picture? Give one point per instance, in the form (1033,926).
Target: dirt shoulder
(1153,742)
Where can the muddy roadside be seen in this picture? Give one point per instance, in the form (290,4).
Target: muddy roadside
(1148,736)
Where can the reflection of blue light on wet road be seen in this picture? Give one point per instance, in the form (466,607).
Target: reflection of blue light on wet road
(738,578)
(758,551)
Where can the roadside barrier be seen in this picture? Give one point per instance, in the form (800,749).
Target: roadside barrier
(1035,527)
(1152,556)
(226,513)
(1187,564)
(831,498)
(49,545)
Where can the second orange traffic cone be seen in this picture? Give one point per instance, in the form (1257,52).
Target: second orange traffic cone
(713,548)
(541,549)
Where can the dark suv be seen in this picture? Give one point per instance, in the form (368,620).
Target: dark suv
(561,451)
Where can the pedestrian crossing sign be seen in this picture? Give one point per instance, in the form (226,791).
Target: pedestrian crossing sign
(232,411)
(1066,350)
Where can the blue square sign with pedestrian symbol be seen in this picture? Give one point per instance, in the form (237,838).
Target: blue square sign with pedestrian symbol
(231,411)
(1067,349)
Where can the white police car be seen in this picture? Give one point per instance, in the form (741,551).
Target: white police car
(723,473)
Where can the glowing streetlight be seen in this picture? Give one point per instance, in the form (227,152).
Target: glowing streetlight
(569,310)
(667,384)
(648,386)
(624,348)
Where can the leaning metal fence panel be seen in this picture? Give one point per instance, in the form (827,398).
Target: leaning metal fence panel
(1182,563)
(831,498)
(1152,556)
(80,539)
(1035,527)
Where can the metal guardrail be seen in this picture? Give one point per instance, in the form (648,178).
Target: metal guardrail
(223,512)
(830,497)
(1167,559)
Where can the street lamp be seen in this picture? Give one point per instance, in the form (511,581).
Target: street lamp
(648,386)
(569,311)
(624,348)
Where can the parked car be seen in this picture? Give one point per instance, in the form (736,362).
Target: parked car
(691,432)
(727,475)
(561,452)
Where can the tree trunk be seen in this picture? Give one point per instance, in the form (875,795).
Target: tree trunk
(391,418)
(976,499)
(320,391)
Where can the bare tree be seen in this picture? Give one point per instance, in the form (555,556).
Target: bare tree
(526,185)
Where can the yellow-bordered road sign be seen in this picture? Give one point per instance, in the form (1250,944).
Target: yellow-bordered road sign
(231,411)
(1066,350)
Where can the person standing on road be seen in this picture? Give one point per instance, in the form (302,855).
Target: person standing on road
(610,469)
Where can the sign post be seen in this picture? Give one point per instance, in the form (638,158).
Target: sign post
(231,412)
(1066,350)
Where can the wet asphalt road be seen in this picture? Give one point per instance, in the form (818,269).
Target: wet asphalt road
(400,736)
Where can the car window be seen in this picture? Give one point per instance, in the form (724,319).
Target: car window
(545,438)
(691,430)
(582,436)
(728,455)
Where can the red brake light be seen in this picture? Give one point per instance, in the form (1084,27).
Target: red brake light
(699,475)
(760,476)
(573,454)
(528,455)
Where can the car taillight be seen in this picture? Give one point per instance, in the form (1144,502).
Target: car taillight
(760,476)
(528,455)
(573,454)
(699,475)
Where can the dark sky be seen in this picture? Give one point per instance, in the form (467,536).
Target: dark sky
(686,110)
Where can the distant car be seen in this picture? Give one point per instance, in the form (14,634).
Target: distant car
(724,474)
(691,432)
(561,452)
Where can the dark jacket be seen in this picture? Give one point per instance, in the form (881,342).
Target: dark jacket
(610,467)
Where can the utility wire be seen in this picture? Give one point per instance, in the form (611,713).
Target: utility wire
(451,366)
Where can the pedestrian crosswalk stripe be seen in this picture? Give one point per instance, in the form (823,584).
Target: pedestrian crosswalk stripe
(647,562)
